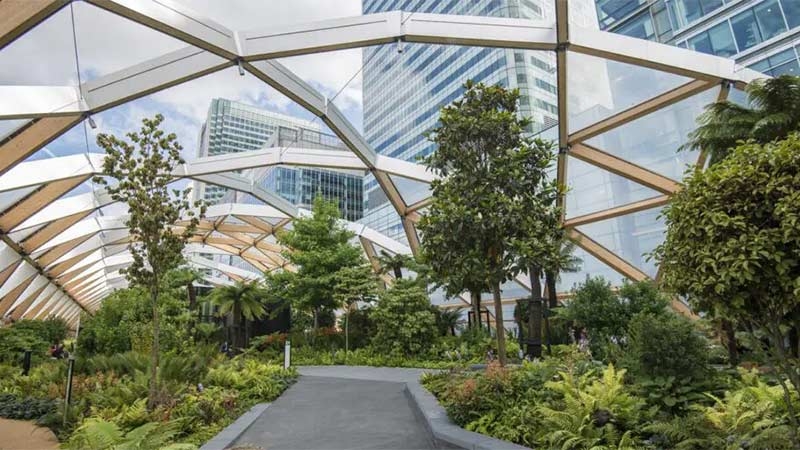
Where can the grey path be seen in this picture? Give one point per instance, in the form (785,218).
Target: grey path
(341,408)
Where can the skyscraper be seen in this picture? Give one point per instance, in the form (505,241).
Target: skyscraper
(233,127)
(406,86)
(761,34)
(300,185)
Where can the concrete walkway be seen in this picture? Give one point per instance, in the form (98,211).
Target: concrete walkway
(341,407)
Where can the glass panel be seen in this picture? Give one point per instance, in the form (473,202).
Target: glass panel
(652,141)
(791,9)
(631,237)
(599,88)
(43,56)
(108,42)
(589,267)
(770,19)
(8,127)
(412,191)
(512,289)
(639,27)
(745,29)
(789,68)
(72,142)
(722,40)
(9,198)
(22,234)
(593,189)
(610,11)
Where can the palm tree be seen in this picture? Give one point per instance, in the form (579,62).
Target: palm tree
(774,112)
(394,263)
(243,299)
(449,319)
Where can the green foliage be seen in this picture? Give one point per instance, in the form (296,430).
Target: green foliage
(13,407)
(244,300)
(732,242)
(404,321)
(665,345)
(595,295)
(481,217)
(124,321)
(319,247)
(253,380)
(754,416)
(98,434)
(773,113)
(34,335)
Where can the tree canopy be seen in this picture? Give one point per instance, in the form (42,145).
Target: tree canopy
(319,247)
(480,205)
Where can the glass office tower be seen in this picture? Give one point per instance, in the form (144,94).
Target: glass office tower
(761,34)
(233,127)
(406,86)
(300,185)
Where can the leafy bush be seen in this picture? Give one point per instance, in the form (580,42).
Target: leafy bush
(403,319)
(255,381)
(13,407)
(34,335)
(618,308)
(666,345)
(99,434)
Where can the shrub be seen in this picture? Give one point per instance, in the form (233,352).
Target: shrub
(665,346)
(403,319)
(606,314)
(34,335)
(13,407)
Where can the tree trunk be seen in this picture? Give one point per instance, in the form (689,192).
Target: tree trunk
(346,334)
(237,332)
(476,308)
(552,296)
(500,328)
(398,273)
(730,342)
(794,343)
(534,347)
(152,397)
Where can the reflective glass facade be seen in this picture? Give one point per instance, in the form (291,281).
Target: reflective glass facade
(300,185)
(762,34)
(233,127)
(404,90)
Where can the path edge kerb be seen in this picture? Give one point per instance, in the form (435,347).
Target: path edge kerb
(225,438)
(446,433)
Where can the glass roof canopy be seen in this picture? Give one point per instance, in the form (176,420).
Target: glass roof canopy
(624,107)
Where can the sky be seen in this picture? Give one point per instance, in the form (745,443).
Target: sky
(105,43)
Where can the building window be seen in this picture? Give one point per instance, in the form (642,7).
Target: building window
(519,58)
(685,12)
(781,63)
(770,19)
(716,41)
(791,9)
(640,26)
(745,29)
(521,79)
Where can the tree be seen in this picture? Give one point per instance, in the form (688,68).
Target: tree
(478,205)
(394,263)
(733,236)
(143,169)
(774,112)
(354,284)
(405,324)
(244,300)
(606,314)
(319,247)
(448,320)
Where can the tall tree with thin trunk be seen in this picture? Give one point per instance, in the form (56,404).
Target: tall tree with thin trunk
(319,246)
(142,167)
(354,284)
(479,197)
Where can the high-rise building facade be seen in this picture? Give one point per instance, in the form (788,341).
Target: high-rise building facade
(405,86)
(300,185)
(233,127)
(761,34)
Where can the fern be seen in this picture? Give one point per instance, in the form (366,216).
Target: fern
(99,434)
